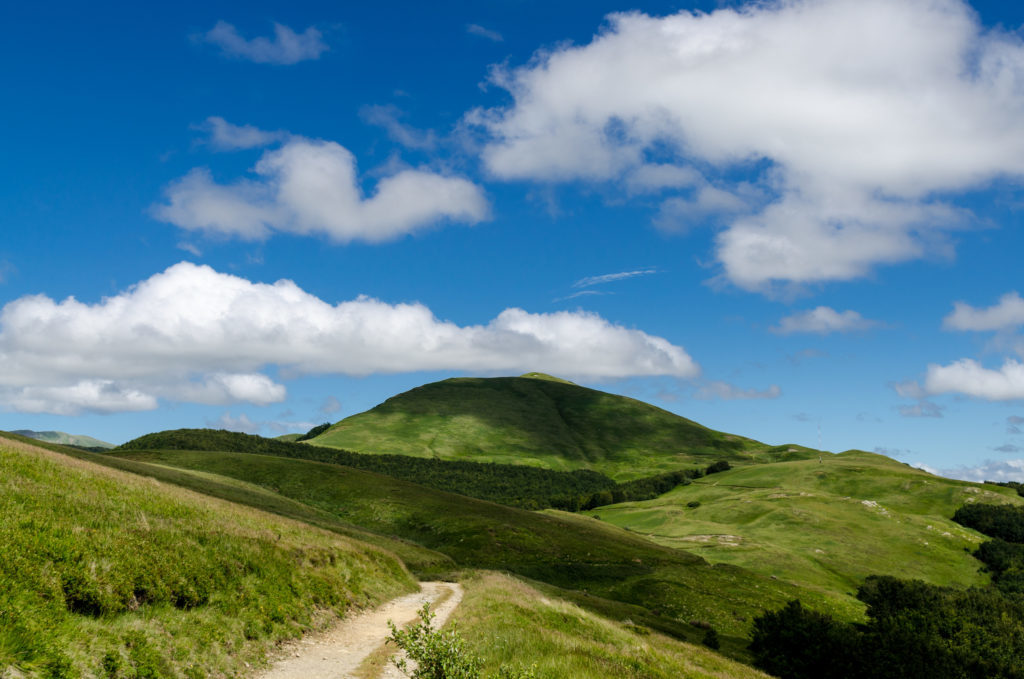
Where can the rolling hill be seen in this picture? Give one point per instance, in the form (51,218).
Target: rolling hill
(825,524)
(542,421)
(568,551)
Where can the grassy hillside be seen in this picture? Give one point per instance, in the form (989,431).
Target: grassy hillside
(827,525)
(565,641)
(64,438)
(565,550)
(543,422)
(104,573)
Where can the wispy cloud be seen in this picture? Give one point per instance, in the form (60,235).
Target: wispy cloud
(581,293)
(389,118)
(224,136)
(729,392)
(1013,423)
(478,30)
(610,277)
(190,248)
(823,320)
(330,406)
(286,48)
(922,409)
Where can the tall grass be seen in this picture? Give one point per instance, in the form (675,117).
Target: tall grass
(107,574)
(506,622)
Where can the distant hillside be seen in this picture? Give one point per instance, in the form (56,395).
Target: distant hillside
(64,439)
(542,421)
(826,525)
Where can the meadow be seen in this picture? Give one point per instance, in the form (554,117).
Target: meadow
(826,525)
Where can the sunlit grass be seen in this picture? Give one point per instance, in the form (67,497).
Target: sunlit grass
(826,525)
(104,573)
(508,622)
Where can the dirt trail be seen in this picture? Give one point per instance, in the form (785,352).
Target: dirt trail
(336,653)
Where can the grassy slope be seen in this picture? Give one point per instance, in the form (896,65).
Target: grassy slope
(564,550)
(567,642)
(544,422)
(100,567)
(815,523)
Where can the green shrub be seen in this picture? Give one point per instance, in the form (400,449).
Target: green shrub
(441,654)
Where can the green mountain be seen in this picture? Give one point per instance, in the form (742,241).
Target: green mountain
(62,438)
(542,421)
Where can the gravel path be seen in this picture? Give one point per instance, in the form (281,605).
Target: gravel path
(336,653)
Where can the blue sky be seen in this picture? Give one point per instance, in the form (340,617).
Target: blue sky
(768,218)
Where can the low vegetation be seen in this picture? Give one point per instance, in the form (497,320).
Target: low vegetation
(560,640)
(107,574)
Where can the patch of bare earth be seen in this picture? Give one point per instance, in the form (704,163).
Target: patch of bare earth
(338,652)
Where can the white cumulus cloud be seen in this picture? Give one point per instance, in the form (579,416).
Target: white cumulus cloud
(823,320)
(1008,313)
(287,47)
(861,116)
(311,187)
(970,378)
(194,334)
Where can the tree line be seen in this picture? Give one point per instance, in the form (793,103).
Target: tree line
(512,485)
(914,629)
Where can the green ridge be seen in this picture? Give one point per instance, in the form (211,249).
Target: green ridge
(545,422)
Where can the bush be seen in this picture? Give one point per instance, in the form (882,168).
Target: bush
(441,654)
(711,639)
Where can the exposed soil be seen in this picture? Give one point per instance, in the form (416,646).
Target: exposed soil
(336,653)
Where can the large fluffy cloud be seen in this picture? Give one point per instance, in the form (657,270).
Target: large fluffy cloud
(193,334)
(852,114)
(310,187)
(969,377)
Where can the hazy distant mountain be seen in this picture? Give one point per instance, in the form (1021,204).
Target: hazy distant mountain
(64,438)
